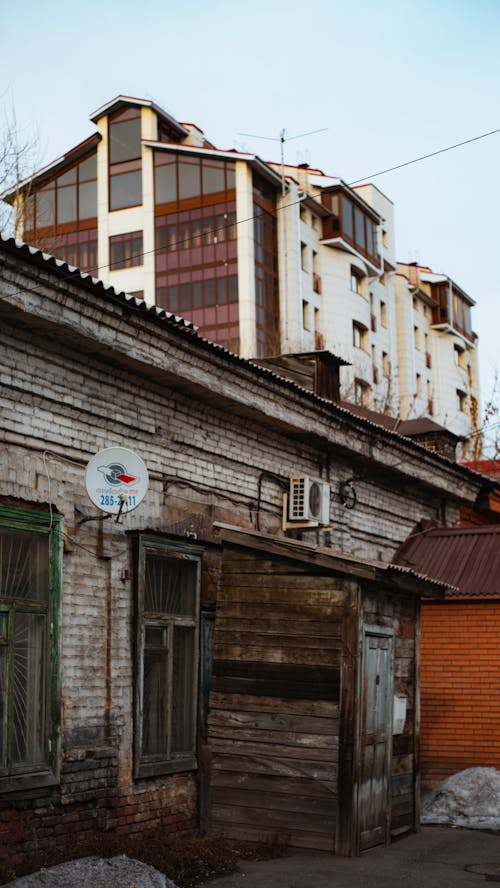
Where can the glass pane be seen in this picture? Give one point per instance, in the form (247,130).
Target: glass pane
(154,715)
(231,176)
(221,291)
(359,224)
(125,190)
(347,218)
(68,178)
(45,207)
(212,177)
(183,690)
(116,254)
(88,168)
(209,293)
(189,178)
(24,565)
(124,140)
(28,718)
(233,288)
(170,585)
(66,204)
(29,213)
(87,196)
(165,183)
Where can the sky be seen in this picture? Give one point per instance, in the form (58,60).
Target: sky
(389,80)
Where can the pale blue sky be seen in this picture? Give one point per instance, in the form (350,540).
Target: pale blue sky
(391,80)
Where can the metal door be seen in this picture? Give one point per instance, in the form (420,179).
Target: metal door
(376,738)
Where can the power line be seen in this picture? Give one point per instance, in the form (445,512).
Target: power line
(191,238)
(399,166)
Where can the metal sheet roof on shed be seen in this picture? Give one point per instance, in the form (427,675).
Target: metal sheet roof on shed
(467,558)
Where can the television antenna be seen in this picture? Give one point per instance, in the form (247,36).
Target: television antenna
(282,138)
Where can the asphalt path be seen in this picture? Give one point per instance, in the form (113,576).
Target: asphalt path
(437,857)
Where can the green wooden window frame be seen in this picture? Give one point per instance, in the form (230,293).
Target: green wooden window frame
(167,657)
(30,636)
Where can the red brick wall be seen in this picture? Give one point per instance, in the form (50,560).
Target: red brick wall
(79,811)
(460,687)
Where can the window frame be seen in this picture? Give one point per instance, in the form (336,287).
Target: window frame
(359,336)
(131,244)
(37,775)
(147,766)
(357,281)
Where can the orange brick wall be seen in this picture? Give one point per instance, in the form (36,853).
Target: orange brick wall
(460,687)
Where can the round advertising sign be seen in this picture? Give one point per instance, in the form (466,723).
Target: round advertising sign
(116,480)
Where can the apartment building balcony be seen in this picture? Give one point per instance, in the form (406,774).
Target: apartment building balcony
(452,309)
(351,226)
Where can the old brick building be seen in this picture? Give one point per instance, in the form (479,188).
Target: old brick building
(107,626)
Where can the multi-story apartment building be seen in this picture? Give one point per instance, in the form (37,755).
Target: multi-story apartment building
(264,259)
(438,375)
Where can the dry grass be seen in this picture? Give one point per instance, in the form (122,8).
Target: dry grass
(187,860)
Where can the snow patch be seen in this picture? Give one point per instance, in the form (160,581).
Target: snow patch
(470,798)
(96,872)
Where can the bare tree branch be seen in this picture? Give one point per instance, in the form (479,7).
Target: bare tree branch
(19,158)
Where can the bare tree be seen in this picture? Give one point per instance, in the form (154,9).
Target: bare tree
(19,156)
(486,441)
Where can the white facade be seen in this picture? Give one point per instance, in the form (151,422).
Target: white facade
(438,373)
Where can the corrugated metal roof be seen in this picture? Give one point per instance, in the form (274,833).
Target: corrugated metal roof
(467,558)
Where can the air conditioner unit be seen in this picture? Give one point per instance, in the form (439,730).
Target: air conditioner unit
(309,500)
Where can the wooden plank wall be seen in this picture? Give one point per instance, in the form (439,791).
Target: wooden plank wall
(273,716)
(401,612)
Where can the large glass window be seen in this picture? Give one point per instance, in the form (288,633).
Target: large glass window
(66,201)
(167,658)
(30,560)
(125,250)
(179,177)
(124,139)
(125,173)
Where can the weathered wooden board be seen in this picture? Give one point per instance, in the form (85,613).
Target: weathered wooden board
(286,625)
(241,703)
(264,816)
(303,594)
(247,637)
(284,655)
(285,835)
(287,739)
(295,681)
(271,800)
(289,611)
(322,773)
(287,786)
(276,751)
(269,721)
